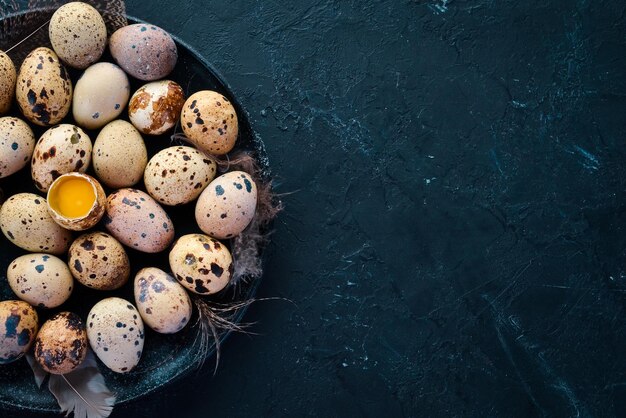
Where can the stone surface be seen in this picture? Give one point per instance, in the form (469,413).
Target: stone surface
(454,190)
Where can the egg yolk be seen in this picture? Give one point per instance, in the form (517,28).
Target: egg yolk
(73,198)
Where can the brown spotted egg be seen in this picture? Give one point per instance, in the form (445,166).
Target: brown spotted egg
(100,95)
(61,149)
(61,344)
(78,34)
(116,334)
(25,221)
(8,77)
(177,175)
(227,206)
(99,261)
(17,143)
(18,327)
(162,302)
(119,155)
(138,221)
(44,90)
(144,51)
(42,280)
(156,106)
(210,122)
(201,264)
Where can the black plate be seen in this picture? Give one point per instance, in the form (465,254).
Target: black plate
(165,357)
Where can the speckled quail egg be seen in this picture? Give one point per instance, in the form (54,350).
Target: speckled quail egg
(17,143)
(144,51)
(210,122)
(227,205)
(61,344)
(156,106)
(119,155)
(116,334)
(25,221)
(18,327)
(178,175)
(61,149)
(101,94)
(201,264)
(138,221)
(78,34)
(99,261)
(44,90)
(8,77)
(163,303)
(42,280)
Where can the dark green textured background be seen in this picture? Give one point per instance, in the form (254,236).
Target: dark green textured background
(453,233)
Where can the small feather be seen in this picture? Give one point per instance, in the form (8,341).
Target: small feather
(40,374)
(83,391)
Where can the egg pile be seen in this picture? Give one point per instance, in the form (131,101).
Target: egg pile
(101,194)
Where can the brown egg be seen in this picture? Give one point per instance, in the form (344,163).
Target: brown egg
(144,51)
(8,77)
(44,90)
(61,344)
(156,106)
(210,122)
(99,261)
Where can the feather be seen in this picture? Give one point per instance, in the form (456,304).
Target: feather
(83,391)
(40,374)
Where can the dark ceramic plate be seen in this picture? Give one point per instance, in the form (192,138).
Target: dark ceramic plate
(165,357)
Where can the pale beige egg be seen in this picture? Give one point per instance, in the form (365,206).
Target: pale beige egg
(162,302)
(119,155)
(100,96)
(78,34)
(26,222)
(177,175)
(42,280)
(8,77)
(227,206)
(116,334)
